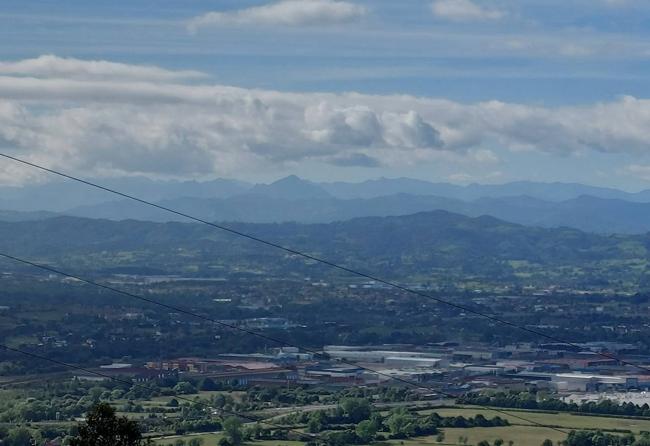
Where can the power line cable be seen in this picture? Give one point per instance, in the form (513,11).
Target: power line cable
(134,384)
(323,261)
(253,333)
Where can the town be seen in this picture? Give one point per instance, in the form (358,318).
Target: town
(426,352)
(570,375)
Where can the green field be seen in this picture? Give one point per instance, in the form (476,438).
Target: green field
(208,439)
(212,439)
(564,420)
(520,435)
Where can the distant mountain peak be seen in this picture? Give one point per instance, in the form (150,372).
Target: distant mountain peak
(291,187)
(291,179)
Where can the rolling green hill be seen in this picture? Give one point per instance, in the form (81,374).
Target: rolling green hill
(418,245)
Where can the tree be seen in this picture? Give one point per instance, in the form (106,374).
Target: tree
(232,426)
(95,393)
(643,441)
(356,409)
(103,428)
(254,432)
(440,437)
(401,423)
(341,438)
(366,431)
(316,421)
(19,437)
(219,400)
(184,388)
(597,438)
(483,443)
(208,384)
(195,442)
(499,442)
(314,425)
(547,442)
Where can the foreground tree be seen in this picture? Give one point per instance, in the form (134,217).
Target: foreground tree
(103,428)
(232,427)
(18,437)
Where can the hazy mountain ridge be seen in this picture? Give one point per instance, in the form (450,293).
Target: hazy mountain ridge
(64,195)
(543,191)
(17,216)
(587,208)
(586,213)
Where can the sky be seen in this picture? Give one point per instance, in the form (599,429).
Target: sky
(461,91)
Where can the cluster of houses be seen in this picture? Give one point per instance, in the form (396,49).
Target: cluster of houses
(448,367)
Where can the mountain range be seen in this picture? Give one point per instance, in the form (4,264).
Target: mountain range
(291,199)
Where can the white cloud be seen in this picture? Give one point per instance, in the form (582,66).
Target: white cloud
(409,129)
(172,129)
(357,125)
(484,156)
(361,126)
(464,11)
(286,13)
(641,171)
(50,66)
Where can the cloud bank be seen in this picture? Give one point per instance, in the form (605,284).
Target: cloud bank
(124,124)
(284,13)
(53,66)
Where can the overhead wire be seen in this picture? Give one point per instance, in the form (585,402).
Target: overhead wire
(253,333)
(320,260)
(135,384)
(317,259)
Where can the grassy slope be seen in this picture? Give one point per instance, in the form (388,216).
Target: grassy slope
(565,420)
(520,434)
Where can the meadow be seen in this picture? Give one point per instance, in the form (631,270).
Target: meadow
(520,433)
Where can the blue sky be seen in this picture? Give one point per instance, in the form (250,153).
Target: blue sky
(489,91)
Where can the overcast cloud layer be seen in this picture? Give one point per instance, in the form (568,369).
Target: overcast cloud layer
(99,117)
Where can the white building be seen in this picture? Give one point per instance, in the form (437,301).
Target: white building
(400,361)
(582,382)
(350,354)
